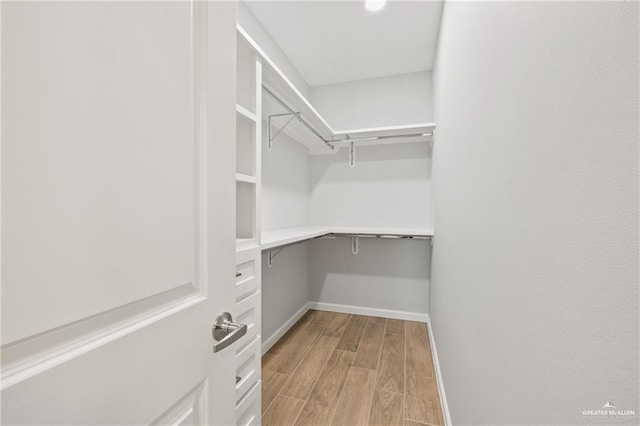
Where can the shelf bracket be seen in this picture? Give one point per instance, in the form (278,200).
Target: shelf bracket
(270,127)
(272,254)
(352,154)
(355,244)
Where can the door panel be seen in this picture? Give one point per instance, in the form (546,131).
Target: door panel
(132,380)
(118,241)
(189,411)
(100,201)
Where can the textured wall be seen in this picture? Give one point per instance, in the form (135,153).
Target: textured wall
(534,297)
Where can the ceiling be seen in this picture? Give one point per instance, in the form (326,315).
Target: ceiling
(337,41)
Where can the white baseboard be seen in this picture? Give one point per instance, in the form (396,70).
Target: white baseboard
(267,343)
(436,365)
(373,312)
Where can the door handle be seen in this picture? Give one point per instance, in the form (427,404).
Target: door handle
(225,331)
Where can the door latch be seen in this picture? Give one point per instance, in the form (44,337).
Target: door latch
(225,331)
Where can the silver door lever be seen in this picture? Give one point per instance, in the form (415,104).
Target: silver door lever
(225,331)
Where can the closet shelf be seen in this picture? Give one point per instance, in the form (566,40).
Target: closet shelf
(245,243)
(321,139)
(282,237)
(245,112)
(419,132)
(240,177)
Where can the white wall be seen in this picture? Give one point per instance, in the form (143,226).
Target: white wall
(285,183)
(254,28)
(534,299)
(377,102)
(285,204)
(285,287)
(390,186)
(390,275)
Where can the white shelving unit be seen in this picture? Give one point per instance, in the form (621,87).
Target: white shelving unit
(286,110)
(245,113)
(317,135)
(240,177)
(247,309)
(283,237)
(248,142)
(420,132)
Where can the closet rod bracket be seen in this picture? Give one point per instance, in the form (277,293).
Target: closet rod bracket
(355,244)
(352,154)
(270,127)
(329,143)
(272,254)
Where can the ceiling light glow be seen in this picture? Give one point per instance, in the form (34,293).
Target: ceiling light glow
(374,5)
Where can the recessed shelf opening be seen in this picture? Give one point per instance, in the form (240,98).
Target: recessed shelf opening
(245,145)
(245,210)
(246,76)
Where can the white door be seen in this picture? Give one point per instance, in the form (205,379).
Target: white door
(118,186)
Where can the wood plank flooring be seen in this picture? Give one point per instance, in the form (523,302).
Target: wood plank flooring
(339,369)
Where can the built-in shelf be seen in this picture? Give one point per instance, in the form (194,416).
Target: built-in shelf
(245,113)
(419,132)
(282,237)
(244,243)
(245,178)
(248,142)
(280,85)
(245,210)
(245,77)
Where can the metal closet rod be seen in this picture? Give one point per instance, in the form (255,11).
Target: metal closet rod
(378,138)
(386,236)
(330,143)
(302,120)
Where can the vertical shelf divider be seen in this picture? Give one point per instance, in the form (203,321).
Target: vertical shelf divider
(258,149)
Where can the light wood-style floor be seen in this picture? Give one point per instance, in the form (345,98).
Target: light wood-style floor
(340,369)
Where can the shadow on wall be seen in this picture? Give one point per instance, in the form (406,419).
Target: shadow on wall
(403,161)
(381,275)
(378,257)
